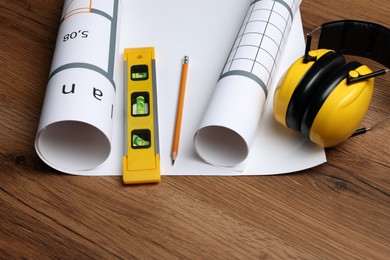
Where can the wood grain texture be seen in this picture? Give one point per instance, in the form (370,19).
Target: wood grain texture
(339,210)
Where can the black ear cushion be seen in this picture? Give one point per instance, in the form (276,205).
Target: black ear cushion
(319,97)
(325,66)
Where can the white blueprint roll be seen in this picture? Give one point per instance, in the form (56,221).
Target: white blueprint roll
(75,129)
(234,112)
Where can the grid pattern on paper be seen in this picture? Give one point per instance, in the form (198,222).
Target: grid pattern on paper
(256,50)
(73,7)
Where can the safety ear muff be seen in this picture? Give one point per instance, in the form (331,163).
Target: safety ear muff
(295,88)
(336,111)
(321,70)
(321,95)
(288,83)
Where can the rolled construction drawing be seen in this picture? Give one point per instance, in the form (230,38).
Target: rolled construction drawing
(75,128)
(234,112)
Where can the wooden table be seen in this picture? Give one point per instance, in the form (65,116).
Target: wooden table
(337,210)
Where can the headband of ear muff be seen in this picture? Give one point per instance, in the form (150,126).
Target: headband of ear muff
(360,38)
(324,90)
(318,73)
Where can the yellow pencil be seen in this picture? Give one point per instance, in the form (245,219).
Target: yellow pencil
(179,113)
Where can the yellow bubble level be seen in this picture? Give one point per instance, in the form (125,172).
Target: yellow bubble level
(141,163)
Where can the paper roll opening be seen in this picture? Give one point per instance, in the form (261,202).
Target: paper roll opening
(220,146)
(73,145)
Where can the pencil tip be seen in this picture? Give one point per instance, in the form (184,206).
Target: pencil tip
(173,157)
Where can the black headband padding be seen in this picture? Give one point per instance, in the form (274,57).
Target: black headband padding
(365,39)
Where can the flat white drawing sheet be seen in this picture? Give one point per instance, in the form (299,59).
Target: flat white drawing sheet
(205,31)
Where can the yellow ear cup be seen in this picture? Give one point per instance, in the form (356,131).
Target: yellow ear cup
(342,111)
(288,83)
